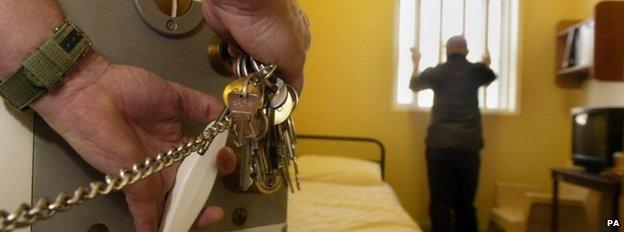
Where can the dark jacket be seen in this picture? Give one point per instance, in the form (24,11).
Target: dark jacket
(455,116)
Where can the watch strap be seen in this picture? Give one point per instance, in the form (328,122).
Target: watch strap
(43,69)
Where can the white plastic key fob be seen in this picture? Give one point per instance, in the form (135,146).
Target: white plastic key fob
(194,182)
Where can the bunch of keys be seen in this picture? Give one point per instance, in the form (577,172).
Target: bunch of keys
(259,128)
(262,136)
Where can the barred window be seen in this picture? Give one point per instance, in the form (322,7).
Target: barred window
(488,25)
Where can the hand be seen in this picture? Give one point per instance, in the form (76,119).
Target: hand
(114,116)
(272,31)
(416,56)
(486,60)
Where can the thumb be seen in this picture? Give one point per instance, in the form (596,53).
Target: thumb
(214,22)
(208,217)
(226,161)
(215,11)
(196,105)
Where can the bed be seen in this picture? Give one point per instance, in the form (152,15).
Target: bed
(341,193)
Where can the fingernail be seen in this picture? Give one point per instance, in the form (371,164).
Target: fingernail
(214,214)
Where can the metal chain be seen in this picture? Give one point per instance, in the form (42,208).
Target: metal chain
(45,208)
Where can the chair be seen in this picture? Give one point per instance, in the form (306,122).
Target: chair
(521,207)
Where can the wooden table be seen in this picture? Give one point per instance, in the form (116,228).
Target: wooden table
(609,185)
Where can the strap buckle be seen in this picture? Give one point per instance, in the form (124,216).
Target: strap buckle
(44,68)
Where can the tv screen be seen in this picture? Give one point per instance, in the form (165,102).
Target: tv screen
(591,135)
(597,134)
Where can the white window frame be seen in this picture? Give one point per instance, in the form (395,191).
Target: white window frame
(505,62)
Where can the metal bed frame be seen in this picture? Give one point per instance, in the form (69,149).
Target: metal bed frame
(382,148)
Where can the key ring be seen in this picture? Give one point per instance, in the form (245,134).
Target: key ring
(243,64)
(236,67)
(294,95)
(244,90)
(257,65)
(268,71)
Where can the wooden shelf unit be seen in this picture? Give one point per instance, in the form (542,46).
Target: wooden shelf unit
(579,69)
(573,76)
(609,50)
(598,45)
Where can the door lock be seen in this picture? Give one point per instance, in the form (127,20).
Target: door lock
(172,18)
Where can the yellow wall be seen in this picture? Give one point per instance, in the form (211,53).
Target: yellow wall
(349,84)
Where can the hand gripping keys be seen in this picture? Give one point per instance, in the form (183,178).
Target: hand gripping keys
(256,123)
(261,132)
(260,104)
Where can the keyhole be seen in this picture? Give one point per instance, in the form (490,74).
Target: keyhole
(172,18)
(98,228)
(174,8)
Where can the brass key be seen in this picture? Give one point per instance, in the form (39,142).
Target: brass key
(244,99)
(246,166)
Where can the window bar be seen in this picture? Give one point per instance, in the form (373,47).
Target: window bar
(464,20)
(506,30)
(483,91)
(440,55)
(417,18)
(487,23)
(502,51)
(503,64)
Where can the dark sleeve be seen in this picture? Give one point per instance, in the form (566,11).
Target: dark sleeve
(422,81)
(484,75)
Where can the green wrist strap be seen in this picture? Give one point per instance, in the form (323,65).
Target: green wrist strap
(43,69)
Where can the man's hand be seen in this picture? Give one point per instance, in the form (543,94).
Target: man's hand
(115,115)
(112,115)
(272,31)
(416,56)
(486,60)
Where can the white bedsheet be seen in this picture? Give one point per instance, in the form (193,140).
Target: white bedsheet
(335,207)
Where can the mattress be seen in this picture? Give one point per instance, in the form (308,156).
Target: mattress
(329,202)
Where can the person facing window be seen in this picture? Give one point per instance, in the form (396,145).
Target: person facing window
(454,137)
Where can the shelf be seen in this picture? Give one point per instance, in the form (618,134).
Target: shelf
(571,25)
(572,77)
(575,70)
(597,42)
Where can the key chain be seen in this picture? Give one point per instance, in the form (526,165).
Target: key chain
(45,208)
(267,172)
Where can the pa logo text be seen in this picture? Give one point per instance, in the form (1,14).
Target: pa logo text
(612,223)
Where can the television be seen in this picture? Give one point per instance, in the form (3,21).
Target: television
(596,136)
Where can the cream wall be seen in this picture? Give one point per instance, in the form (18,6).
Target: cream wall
(16,140)
(349,83)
